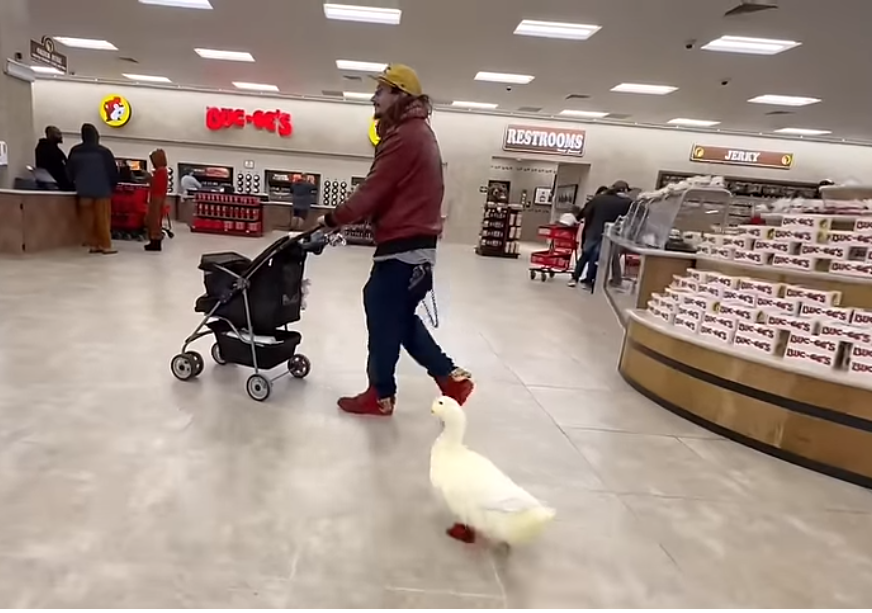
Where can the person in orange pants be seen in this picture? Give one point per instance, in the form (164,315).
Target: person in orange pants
(91,166)
(157,197)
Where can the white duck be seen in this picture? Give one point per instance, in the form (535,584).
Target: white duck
(481,497)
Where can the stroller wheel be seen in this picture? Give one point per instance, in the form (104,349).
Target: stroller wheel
(199,364)
(299,366)
(216,355)
(258,387)
(184,367)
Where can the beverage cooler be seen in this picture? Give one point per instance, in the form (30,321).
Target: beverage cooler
(280,184)
(212,178)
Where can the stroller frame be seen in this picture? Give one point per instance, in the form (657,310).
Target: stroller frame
(188,365)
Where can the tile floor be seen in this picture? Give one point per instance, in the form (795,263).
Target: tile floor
(122,487)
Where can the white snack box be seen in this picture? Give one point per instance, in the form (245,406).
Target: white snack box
(860,367)
(690,312)
(862,318)
(731,295)
(739,241)
(826,252)
(764,288)
(863,240)
(723,253)
(687,324)
(810,309)
(749,299)
(755,258)
(717,333)
(806,222)
(675,295)
(783,247)
(801,236)
(700,276)
(847,334)
(740,311)
(710,289)
(796,262)
(752,343)
(704,249)
(842,238)
(757,330)
(861,353)
(864,224)
(686,283)
(725,281)
(760,232)
(838,314)
(853,269)
(792,323)
(813,350)
(666,315)
(720,321)
(707,303)
(786,306)
(810,357)
(821,297)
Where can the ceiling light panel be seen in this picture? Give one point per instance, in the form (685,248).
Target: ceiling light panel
(256,87)
(357,95)
(360,66)
(554,29)
(474,105)
(752,46)
(784,100)
(146,78)
(642,88)
(803,132)
(182,4)
(86,43)
(47,70)
(693,123)
(363,14)
(502,77)
(229,56)
(584,114)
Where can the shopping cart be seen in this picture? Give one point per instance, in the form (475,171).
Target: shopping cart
(130,213)
(560,256)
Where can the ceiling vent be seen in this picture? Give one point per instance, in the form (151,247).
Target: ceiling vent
(747,7)
(132,60)
(577,97)
(331,93)
(354,78)
(529,109)
(776,113)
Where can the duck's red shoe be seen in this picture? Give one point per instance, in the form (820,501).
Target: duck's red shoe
(461,533)
(458,385)
(368,403)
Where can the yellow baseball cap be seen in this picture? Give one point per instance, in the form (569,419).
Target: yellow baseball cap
(402,77)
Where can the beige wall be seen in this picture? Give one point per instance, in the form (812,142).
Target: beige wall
(331,138)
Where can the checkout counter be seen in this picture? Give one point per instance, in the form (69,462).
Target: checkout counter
(812,416)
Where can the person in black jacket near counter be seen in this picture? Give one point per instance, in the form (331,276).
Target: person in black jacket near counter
(52,159)
(92,168)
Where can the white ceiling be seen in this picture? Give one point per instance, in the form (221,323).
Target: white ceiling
(448,41)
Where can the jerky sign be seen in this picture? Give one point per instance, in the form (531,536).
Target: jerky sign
(550,141)
(741,157)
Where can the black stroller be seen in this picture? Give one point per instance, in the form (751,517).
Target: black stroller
(248,306)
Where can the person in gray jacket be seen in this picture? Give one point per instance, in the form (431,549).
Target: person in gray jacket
(92,169)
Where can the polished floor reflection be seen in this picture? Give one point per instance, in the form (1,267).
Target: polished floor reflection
(122,487)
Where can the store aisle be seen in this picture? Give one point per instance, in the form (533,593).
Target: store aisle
(121,486)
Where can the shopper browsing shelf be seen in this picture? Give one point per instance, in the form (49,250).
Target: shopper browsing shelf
(602,210)
(189,183)
(157,197)
(91,167)
(402,196)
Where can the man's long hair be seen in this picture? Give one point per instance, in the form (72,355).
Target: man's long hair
(394,115)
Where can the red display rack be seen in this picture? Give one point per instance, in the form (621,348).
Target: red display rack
(230,214)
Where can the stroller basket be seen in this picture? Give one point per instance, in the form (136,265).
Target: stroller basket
(235,347)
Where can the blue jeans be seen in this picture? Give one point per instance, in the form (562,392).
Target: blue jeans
(390,299)
(590,254)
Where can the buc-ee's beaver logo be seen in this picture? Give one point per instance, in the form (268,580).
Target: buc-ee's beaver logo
(115,111)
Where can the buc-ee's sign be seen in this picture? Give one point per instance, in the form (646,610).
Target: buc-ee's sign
(277,122)
(536,139)
(741,157)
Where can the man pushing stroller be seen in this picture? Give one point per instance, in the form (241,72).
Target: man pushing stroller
(402,197)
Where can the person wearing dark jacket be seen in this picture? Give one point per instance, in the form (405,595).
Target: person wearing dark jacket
(92,169)
(402,197)
(52,159)
(599,212)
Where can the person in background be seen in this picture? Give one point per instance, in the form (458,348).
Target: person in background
(125,172)
(402,196)
(305,192)
(52,159)
(157,196)
(603,209)
(189,183)
(91,167)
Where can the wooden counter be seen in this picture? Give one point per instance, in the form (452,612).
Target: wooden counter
(33,221)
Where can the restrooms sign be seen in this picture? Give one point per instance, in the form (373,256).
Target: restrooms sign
(549,141)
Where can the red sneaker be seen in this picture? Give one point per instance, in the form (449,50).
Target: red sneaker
(368,403)
(458,385)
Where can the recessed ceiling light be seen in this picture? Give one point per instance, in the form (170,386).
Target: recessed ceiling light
(357,95)
(474,105)
(360,66)
(753,46)
(182,4)
(554,29)
(696,123)
(364,14)
(803,132)
(48,70)
(784,100)
(146,78)
(588,114)
(230,56)
(642,88)
(257,87)
(502,77)
(86,43)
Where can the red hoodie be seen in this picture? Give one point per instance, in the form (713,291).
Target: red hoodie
(402,194)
